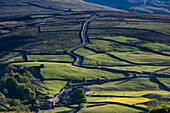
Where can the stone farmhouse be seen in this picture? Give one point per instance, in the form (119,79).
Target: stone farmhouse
(65,95)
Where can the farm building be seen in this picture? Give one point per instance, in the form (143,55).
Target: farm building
(51,102)
(65,95)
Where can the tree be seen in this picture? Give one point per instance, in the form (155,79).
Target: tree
(78,96)
(163,109)
(24,92)
(84,80)
(24,56)
(19,91)
(134,75)
(39,29)
(98,80)
(33,101)
(28,93)
(11,84)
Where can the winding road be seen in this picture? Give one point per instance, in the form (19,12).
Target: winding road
(85,41)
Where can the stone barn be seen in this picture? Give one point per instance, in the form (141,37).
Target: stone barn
(51,102)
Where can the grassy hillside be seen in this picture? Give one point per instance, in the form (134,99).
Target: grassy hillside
(67,71)
(122,45)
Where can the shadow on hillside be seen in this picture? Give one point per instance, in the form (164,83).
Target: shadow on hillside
(122,104)
(95,105)
(139,47)
(36,72)
(160,84)
(14,42)
(123,81)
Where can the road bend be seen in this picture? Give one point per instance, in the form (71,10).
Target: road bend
(86,40)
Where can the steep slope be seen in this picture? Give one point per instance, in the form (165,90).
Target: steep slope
(20,7)
(147,6)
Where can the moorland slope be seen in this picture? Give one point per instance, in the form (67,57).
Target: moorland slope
(147,6)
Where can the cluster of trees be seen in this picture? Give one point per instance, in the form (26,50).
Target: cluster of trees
(162,109)
(17,88)
(19,91)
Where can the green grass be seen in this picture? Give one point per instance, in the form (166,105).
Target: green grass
(10,56)
(167,72)
(102,60)
(53,87)
(50,57)
(125,100)
(165,81)
(100,45)
(110,109)
(142,57)
(91,58)
(136,84)
(137,42)
(16,58)
(131,93)
(157,47)
(61,110)
(84,52)
(139,68)
(67,71)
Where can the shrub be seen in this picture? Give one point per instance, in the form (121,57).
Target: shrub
(126,74)
(11,84)
(156,96)
(33,101)
(11,73)
(163,109)
(84,80)
(19,89)
(18,77)
(25,79)
(98,80)
(152,103)
(24,92)
(134,75)
(63,102)
(20,108)
(28,93)
(15,102)
(28,74)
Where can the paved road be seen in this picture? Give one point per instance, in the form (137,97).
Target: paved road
(85,40)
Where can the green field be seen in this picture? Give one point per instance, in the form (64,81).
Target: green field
(102,60)
(136,84)
(50,58)
(110,109)
(53,87)
(141,69)
(67,71)
(142,57)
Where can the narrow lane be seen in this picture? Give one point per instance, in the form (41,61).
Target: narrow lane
(86,40)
